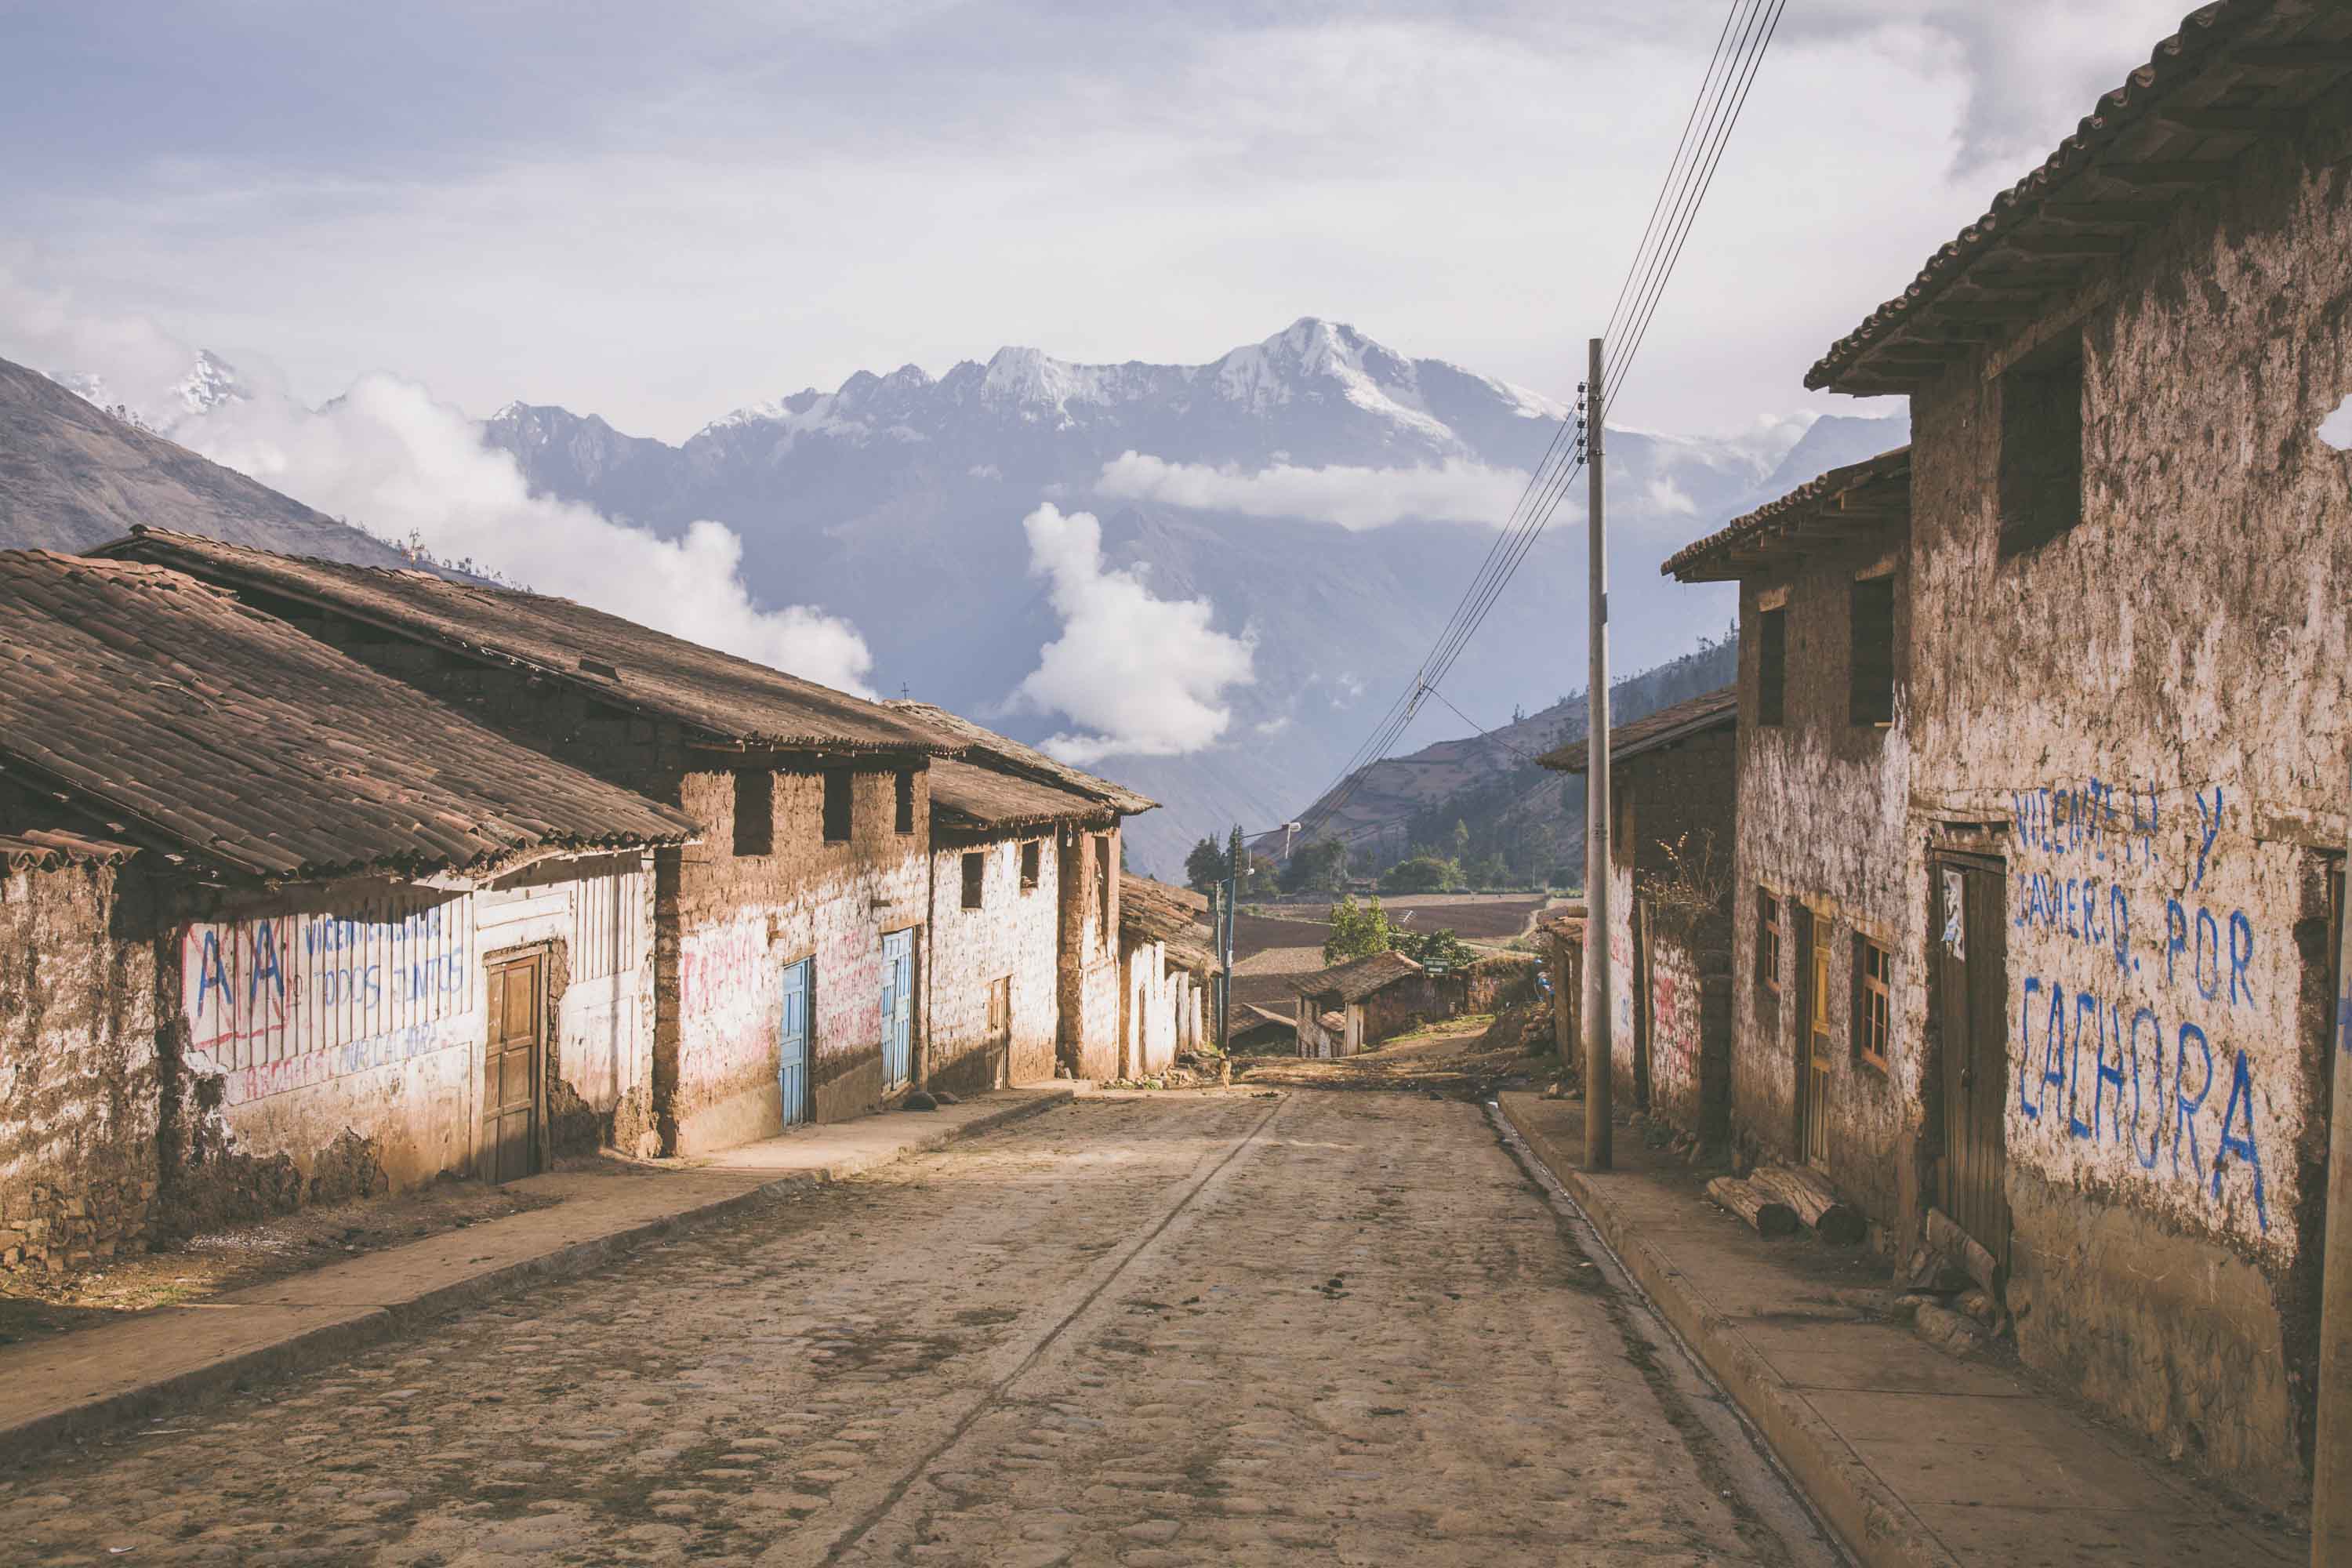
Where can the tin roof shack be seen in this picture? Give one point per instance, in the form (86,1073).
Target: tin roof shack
(2126,750)
(1087,876)
(1164,958)
(994,979)
(363,940)
(1822,1069)
(788,938)
(1674,786)
(80,1096)
(1373,998)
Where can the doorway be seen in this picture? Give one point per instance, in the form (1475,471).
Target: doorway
(511,1067)
(897,1009)
(1812,1038)
(1000,1031)
(793,1043)
(1967,979)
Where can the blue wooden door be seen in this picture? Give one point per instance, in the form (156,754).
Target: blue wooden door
(793,1044)
(897,1008)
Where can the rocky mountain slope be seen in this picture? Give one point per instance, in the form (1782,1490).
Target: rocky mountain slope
(72,476)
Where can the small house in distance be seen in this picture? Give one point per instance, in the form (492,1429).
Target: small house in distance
(1353,1006)
(1674,792)
(1164,961)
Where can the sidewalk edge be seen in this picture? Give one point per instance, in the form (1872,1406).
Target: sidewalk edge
(366,1326)
(1871,1520)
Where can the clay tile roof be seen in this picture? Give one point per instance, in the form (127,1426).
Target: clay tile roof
(42,850)
(1717,709)
(623,664)
(1832,509)
(1248,1015)
(966,797)
(1008,754)
(1152,911)
(155,700)
(2235,73)
(1358,977)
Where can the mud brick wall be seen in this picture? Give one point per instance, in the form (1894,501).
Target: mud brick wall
(1013,936)
(1407,1004)
(1090,990)
(742,919)
(2160,741)
(1824,814)
(1678,831)
(79,1082)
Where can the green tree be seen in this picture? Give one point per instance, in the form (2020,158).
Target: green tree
(1490,872)
(1205,865)
(1357,930)
(1436,947)
(1421,874)
(1320,866)
(1460,839)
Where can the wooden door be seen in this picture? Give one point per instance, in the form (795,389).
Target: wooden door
(511,1067)
(1968,971)
(897,1008)
(1813,1038)
(793,1044)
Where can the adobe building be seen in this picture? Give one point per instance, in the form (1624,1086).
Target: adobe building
(282,929)
(1353,1006)
(1674,791)
(2120,790)
(1165,967)
(788,938)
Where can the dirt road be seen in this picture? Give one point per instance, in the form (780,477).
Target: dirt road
(1147,1331)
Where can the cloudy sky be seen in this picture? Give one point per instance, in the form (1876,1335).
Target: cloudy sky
(661,212)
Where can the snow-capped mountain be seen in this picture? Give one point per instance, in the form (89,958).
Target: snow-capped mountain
(1326,494)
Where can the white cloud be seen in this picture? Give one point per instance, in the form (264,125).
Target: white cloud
(1353,497)
(1137,675)
(2336,428)
(388,457)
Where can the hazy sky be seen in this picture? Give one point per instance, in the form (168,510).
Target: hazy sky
(663,212)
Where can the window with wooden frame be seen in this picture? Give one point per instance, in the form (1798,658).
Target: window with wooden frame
(1771,923)
(1032,859)
(2041,466)
(837,797)
(1874,1001)
(975,878)
(1772,665)
(1870,665)
(755,811)
(905,820)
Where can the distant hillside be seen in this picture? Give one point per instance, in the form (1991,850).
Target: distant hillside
(1529,817)
(72,476)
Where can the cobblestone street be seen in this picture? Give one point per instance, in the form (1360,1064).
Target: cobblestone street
(1150,1331)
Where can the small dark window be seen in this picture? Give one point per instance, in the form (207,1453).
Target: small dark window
(1870,674)
(1032,857)
(755,811)
(1874,1000)
(975,878)
(906,818)
(1771,664)
(836,806)
(1767,940)
(2042,446)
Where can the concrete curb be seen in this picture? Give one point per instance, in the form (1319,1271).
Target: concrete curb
(1870,1519)
(361,1327)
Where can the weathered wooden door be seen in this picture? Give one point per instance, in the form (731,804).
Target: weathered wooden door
(1968,971)
(1813,1038)
(511,1067)
(897,1008)
(793,1044)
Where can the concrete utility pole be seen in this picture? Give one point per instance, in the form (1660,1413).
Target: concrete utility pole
(2331,1471)
(1599,1153)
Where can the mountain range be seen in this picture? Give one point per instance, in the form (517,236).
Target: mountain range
(1327,498)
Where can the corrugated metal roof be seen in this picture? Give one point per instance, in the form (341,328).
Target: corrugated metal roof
(164,703)
(621,663)
(1835,508)
(1717,709)
(2235,73)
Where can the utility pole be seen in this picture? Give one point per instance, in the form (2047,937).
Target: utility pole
(1225,947)
(1599,1154)
(2331,1472)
